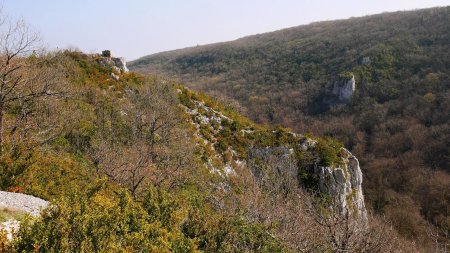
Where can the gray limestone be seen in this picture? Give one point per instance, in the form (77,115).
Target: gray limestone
(21,202)
(344,88)
(344,183)
(116,63)
(365,60)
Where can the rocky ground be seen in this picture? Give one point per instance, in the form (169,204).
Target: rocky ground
(18,202)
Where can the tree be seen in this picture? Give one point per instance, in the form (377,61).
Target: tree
(24,75)
(142,138)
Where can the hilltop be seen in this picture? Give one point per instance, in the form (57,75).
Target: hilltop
(379,84)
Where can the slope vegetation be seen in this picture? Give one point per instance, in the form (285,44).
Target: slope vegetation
(135,163)
(397,121)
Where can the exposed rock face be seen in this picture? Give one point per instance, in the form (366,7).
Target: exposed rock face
(307,144)
(10,227)
(120,63)
(277,166)
(23,202)
(117,64)
(344,88)
(344,183)
(365,60)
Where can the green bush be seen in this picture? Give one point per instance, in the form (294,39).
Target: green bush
(329,150)
(91,221)
(346,75)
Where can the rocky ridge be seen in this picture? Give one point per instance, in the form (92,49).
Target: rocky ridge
(202,115)
(342,182)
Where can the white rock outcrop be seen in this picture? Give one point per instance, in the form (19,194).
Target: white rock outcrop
(365,60)
(22,202)
(117,64)
(344,183)
(120,63)
(344,88)
(19,202)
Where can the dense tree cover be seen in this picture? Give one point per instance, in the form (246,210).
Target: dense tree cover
(397,122)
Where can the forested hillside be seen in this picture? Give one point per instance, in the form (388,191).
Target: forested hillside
(397,121)
(135,163)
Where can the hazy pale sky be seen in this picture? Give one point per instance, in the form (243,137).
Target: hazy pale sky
(134,28)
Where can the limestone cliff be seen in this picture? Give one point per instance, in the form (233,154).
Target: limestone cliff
(344,183)
(344,87)
(274,156)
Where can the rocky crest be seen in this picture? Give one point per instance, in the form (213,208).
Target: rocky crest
(117,64)
(342,181)
(23,202)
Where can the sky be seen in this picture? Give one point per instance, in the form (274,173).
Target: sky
(135,28)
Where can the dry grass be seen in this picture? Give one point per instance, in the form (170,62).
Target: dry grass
(9,213)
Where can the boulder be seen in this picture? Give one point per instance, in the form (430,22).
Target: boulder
(115,77)
(121,64)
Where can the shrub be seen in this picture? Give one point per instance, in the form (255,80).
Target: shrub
(92,221)
(329,150)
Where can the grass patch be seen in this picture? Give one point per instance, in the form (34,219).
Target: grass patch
(9,213)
